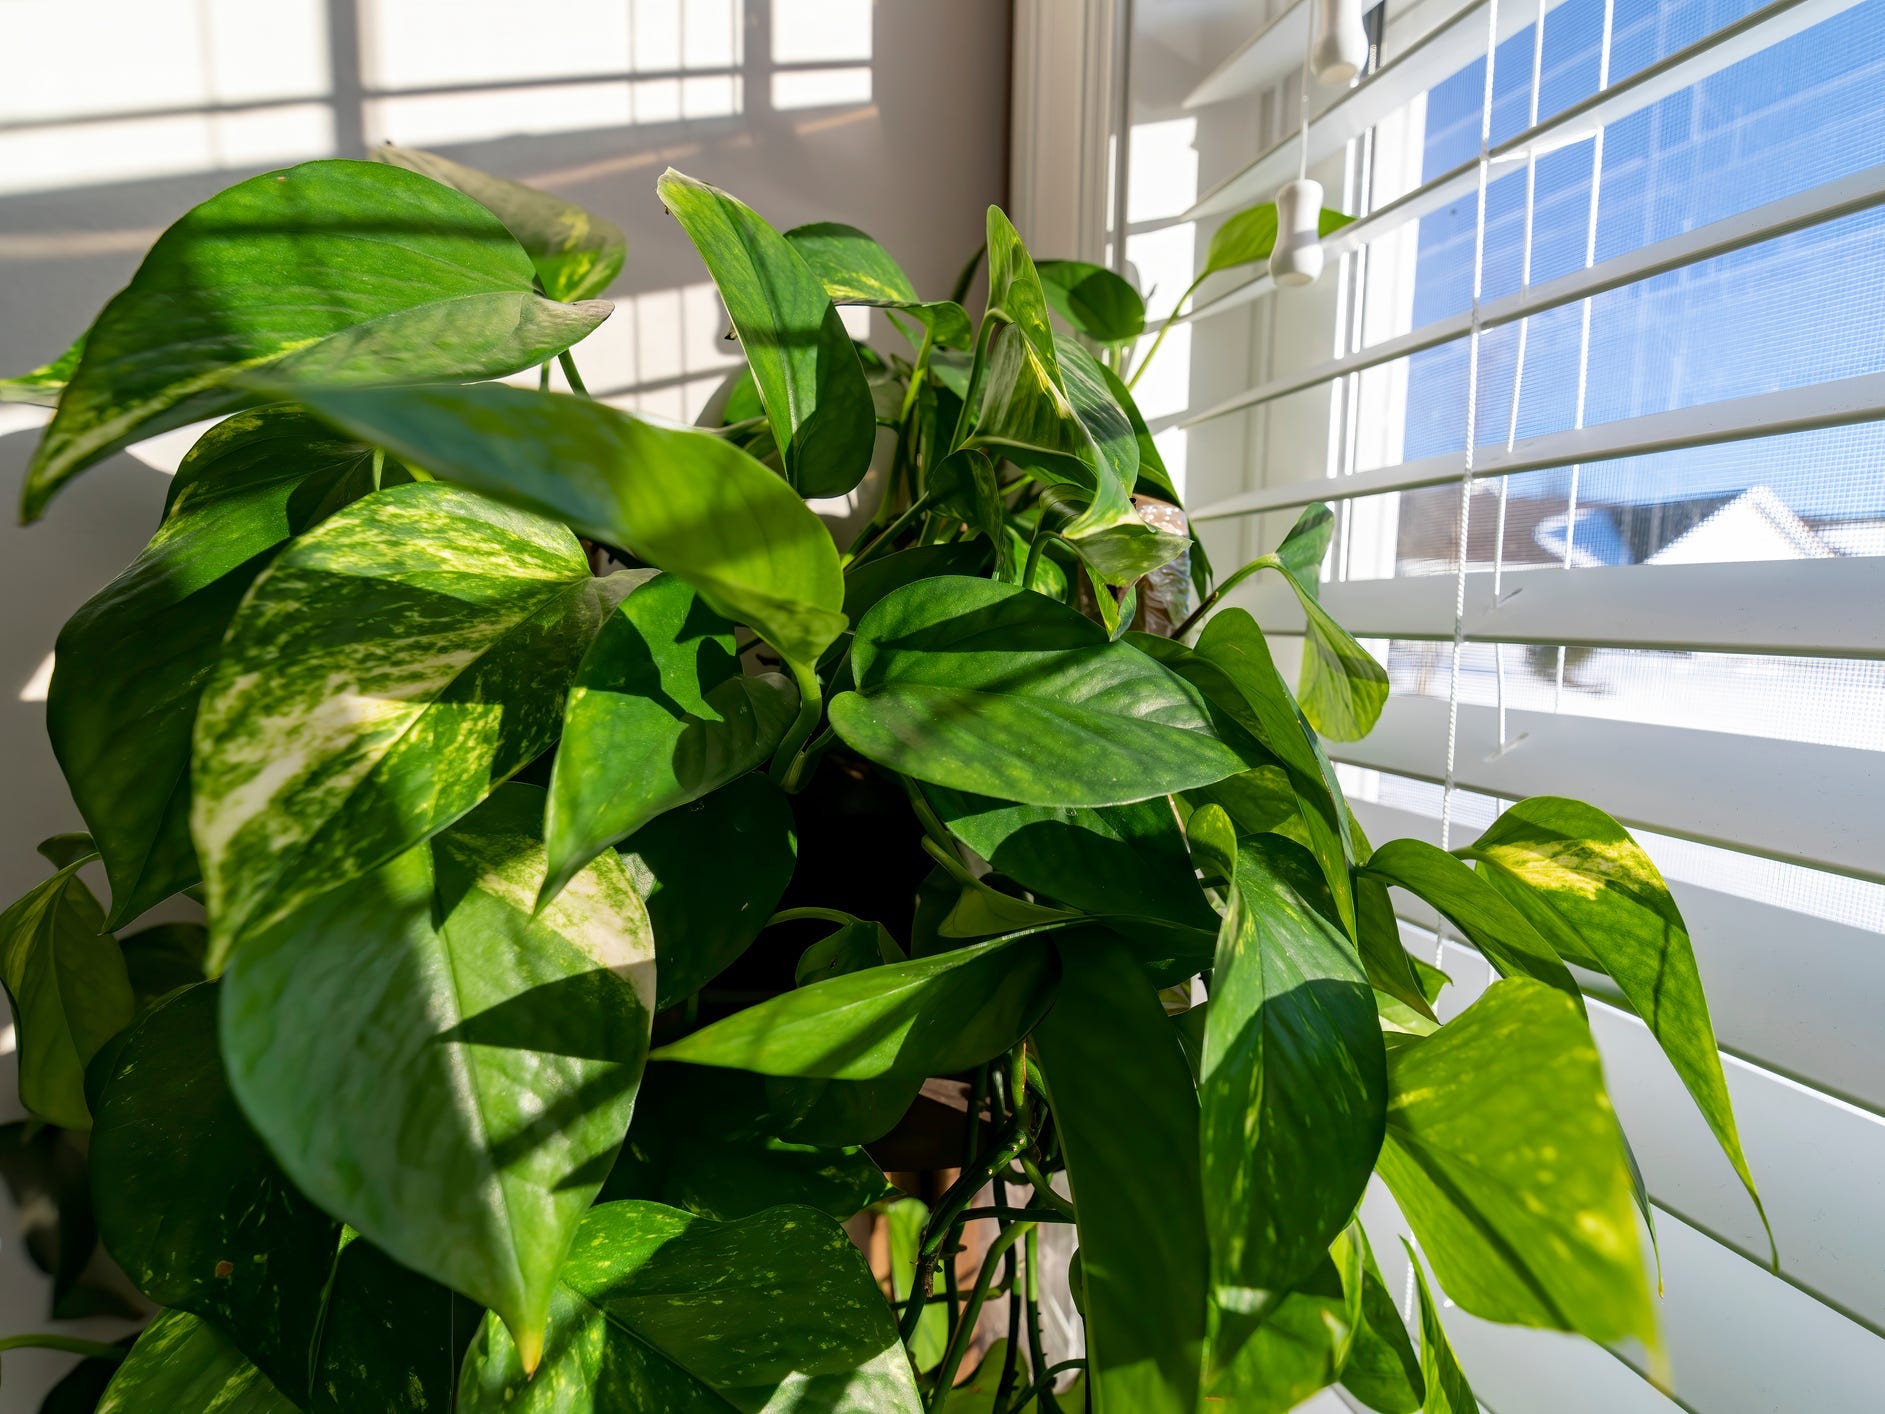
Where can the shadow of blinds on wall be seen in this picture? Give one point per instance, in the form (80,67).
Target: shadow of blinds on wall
(1596,383)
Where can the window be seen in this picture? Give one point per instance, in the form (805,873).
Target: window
(1597,386)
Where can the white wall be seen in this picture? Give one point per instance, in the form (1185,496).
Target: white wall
(118,115)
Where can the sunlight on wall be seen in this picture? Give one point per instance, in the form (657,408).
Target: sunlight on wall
(824,33)
(1164,182)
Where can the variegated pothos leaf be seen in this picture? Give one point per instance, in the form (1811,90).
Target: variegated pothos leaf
(389,670)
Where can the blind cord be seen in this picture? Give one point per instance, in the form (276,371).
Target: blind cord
(1472,428)
(1308,55)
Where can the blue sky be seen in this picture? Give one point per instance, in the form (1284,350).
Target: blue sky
(1798,310)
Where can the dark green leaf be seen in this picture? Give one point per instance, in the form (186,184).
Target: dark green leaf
(1153,479)
(872,580)
(661,1310)
(183,1363)
(1447,1389)
(854,947)
(1505,1156)
(44,1170)
(72,847)
(65,976)
(1116,859)
(132,663)
(441,1069)
(711,872)
(1343,687)
(682,500)
(389,1338)
(929,1016)
(854,269)
(1294,1081)
(990,689)
(576,253)
(1381,1370)
(1489,920)
(391,667)
(1123,1100)
(1094,300)
(685,1149)
(163,957)
(808,373)
(1588,887)
(1307,544)
(334,272)
(190,1204)
(659,714)
(1231,665)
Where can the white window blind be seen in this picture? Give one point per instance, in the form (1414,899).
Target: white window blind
(1597,385)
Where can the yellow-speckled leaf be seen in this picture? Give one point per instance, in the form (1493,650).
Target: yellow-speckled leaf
(181,1362)
(387,671)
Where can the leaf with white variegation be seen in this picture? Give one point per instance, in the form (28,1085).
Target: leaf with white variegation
(657,1309)
(333,271)
(132,662)
(858,271)
(659,714)
(385,674)
(682,500)
(440,1067)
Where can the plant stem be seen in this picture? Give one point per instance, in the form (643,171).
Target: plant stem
(69,1344)
(1036,544)
(967,415)
(890,532)
(1170,320)
(1262,562)
(1012,1213)
(786,765)
(1046,1190)
(1033,1299)
(569,371)
(959,1343)
(948,1209)
(1048,1376)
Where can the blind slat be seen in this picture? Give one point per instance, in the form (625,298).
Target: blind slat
(1819,405)
(1259,61)
(1787,800)
(1842,196)
(1797,608)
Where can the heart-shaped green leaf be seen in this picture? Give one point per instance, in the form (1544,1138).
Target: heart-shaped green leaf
(132,663)
(1580,879)
(1108,1051)
(1232,666)
(575,252)
(190,1204)
(1506,1158)
(990,689)
(1117,859)
(333,271)
(1250,236)
(856,270)
(928,1016)
(441,1069)
(1269,1359)
(182,1362)
(682,500)
(390,668)
(802,358)
(659,714)
(1293,1084)
(675,1312)
(65,976)
(1094,300)
(1489,920)
(711,872)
